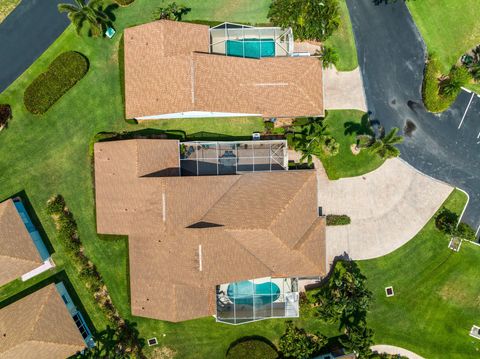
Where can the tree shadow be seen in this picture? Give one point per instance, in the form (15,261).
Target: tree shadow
(365,127)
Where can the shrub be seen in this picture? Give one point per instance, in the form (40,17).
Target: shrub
(338,220)
(124,2)
(464,231)
(297,343)
(458,77)
(434,100)
(5,114)
(64,72)
(446,221)
(309,19)
(55,205)
(252,347)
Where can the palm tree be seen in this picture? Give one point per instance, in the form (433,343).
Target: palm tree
(172,11)
(313,139)
(385,145)
(328,55)
(82,11)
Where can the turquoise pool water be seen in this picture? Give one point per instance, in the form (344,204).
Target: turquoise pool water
(253,48)
(247,293)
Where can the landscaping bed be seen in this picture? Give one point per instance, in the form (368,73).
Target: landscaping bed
(62,74)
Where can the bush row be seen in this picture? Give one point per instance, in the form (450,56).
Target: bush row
(62,74)
(338,220)
(67,230)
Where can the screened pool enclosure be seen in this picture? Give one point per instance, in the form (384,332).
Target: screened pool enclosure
(257,299)
(222,158)
(252,42)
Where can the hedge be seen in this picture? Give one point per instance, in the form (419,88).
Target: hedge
(62,74)
(337,220)
(252,348)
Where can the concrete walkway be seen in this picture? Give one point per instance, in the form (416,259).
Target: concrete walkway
(344,90)
(387,207)
(390,349)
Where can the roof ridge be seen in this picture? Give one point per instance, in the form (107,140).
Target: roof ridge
(310,229)
(42,307)
(221,197)
(287,203)
(253,255)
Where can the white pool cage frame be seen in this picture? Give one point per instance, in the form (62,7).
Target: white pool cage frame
(228,31)
(285,305)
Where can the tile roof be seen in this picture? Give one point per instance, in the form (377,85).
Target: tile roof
(189,234)
(168,70)
(18,254)
(38,326)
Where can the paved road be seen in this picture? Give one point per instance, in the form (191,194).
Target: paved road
(391,55)
(25,34)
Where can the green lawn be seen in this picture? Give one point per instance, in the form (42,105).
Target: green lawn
(345,164)
(436,298)
(343,41)
(449,28)
(6,7)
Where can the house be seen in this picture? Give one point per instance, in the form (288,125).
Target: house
(40,326)
(184,70)
(22,252)
(233,246)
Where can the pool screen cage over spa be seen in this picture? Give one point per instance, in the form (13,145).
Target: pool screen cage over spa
(252,42)
(257,299)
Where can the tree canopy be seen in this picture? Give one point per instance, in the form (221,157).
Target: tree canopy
(309,19)
(298,344)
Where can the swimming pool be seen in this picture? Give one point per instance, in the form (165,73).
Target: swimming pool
(248,293)
(253,48)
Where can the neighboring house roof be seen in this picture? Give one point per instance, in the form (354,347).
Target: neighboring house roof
(248,226)
(168,69)
(18,254)
(38,326)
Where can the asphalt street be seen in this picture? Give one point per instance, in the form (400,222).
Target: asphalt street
(391,55)
(25,34)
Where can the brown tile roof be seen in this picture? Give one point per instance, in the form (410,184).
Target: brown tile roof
(18,254)
(261,224)
(38,326)
(168,70)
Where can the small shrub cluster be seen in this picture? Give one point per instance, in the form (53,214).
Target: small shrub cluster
(5,114)
(252,348)
(296,343)
(447,222)
(62,74)
(338,220)
(67,230)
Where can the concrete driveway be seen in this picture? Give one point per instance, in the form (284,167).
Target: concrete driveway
(391,56)
(387,207)
(344,90)
(25,34)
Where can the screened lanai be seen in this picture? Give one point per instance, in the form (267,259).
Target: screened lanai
(222,158)
(257,299)
(252,42)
